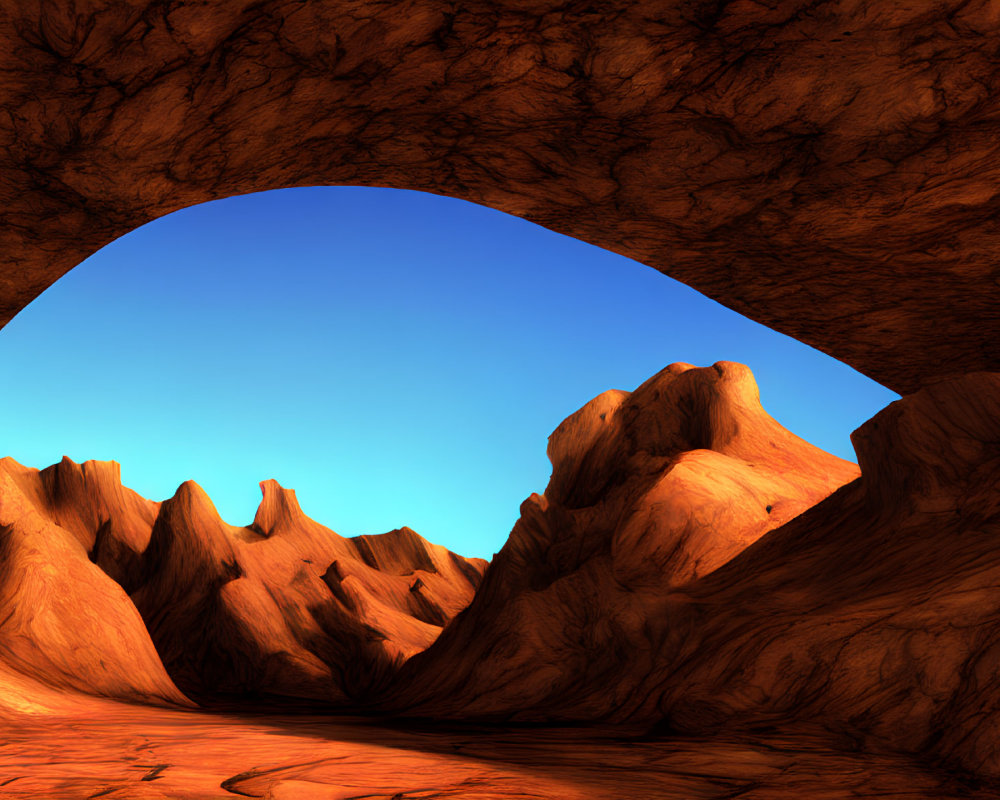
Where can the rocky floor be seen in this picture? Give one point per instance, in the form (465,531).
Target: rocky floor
(119,751)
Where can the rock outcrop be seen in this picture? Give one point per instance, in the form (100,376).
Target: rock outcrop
(63,622)
(876,612)
(286,606)
(828,169)
(650,490)
(92,576)
(649,585)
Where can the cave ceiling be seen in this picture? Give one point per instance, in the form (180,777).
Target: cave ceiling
(829,169)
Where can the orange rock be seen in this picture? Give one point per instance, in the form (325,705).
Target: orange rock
(832,175)
(63,621)
(652,586)
(286,606)
(650,490)
(875,612)
(283,607)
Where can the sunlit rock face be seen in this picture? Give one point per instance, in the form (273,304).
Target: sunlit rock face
(648,585)
(875,611)
(650,491)
(64,624)
(827,169)
(93,576)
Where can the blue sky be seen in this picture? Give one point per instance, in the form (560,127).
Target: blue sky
(397,358)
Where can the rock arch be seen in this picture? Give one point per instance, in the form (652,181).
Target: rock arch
(829,169)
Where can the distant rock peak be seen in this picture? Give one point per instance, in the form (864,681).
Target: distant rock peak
(278,507)
(401,552)
(619,436)
(192,497)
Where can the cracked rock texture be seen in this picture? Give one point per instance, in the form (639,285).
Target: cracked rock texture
(122,752)
(827,168)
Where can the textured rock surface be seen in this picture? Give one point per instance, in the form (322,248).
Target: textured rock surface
(649,491)
(827,168)
(63,622)
(874,613)
(129,753)
(878,609)
(285,606)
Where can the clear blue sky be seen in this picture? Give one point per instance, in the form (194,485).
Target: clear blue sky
(398,358)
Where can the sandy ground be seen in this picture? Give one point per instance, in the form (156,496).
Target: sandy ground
(112,750)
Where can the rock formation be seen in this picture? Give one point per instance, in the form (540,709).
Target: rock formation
(63,622)
(875,612)
(828,169)
(650,490)
(692,567)
(649,585)
(284,606)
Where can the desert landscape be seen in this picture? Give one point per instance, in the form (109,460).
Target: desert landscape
(699,604)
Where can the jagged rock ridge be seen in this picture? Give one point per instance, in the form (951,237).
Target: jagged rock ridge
(286,606)
(63,621)
(93,574)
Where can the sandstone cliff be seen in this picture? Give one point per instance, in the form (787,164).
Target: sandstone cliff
(650,490)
